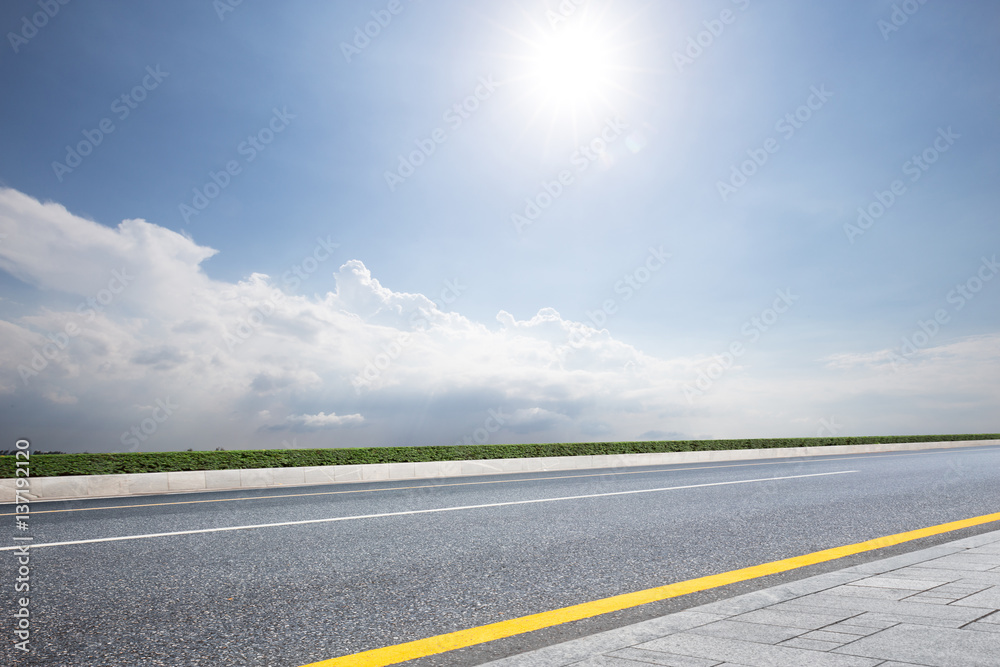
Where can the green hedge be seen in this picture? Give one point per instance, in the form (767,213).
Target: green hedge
(54,465)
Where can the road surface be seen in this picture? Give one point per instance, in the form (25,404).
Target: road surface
(310,573)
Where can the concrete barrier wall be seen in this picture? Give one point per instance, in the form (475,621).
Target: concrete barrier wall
(103,486)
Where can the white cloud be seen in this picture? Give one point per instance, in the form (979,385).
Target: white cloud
(322,420)
(245,359)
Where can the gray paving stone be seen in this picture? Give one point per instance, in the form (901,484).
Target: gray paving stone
(797,607)
(904,560)
(805,621)
(983,627)
(818,583)
(870,592)
(977,540)
(945,594)
(963,561)
(811,644)
(889,619)
(659,658)
(992,618)
(608,661)
(988,599)
(897,619)
(920,599)
(749,653)
(940,593)
(892,607)
(851,629)
(729,608)
(918,572)
(985,578)
(872,620)
(955,589)
(887,581)
(830,636)
(682,620)
(962,587)
(936,647)
(789,591)
(749,602)
(749,632)
(993,548)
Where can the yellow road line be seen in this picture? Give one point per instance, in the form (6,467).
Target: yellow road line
(391,655)
(798,459)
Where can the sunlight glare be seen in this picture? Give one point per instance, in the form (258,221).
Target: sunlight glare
(572,67)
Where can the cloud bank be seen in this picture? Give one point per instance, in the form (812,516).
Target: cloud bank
(124,342)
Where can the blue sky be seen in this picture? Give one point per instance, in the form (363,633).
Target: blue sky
(713,157)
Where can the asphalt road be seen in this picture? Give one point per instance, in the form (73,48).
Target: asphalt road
(289,595)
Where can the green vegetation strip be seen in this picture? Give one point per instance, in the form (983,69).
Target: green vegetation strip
(55,465)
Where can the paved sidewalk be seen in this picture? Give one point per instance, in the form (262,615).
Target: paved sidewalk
(937,607)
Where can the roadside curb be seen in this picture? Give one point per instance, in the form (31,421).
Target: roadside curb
(103,486)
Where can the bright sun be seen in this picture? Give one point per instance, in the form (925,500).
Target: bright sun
(572,67)
(571,70)
(572,75)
